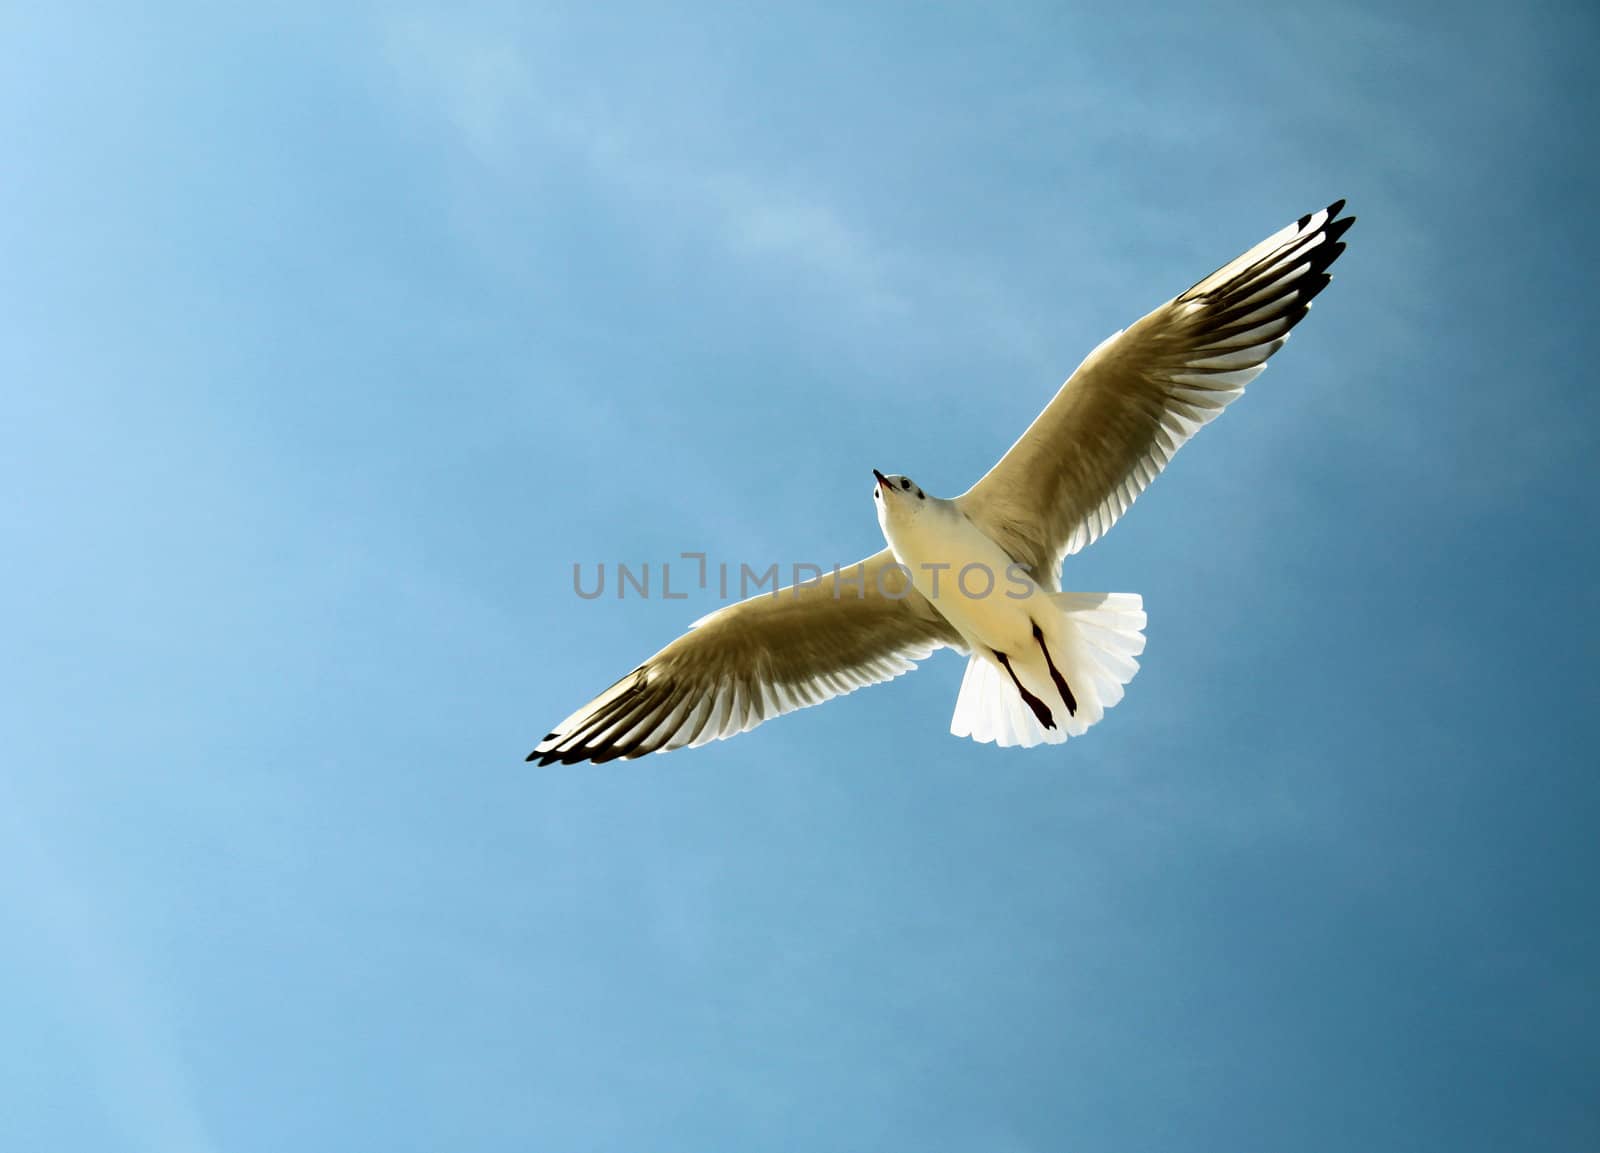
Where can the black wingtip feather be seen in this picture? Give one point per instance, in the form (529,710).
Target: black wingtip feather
(548,737)
(1309,287)
(1336,230)
(1332,210)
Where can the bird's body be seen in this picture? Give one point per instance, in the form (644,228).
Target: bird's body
(974,583)
(979,572)
(1033,676)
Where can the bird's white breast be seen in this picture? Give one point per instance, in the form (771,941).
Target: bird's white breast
(971,580)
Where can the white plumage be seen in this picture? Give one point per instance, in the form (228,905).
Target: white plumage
(1042,666)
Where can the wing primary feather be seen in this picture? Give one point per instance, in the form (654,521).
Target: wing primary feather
(1133,402)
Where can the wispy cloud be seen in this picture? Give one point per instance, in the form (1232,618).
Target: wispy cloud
(507,112)
(477,83)
(765,223)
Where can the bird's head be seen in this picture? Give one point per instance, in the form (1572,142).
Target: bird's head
(898,498)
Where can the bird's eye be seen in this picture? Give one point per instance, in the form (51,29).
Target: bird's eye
(904,483)
(876,495)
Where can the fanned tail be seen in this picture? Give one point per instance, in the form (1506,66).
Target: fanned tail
(1094,640)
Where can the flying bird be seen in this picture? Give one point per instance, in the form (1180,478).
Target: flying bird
(979,572)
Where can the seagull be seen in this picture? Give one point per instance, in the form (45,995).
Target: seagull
(979,572)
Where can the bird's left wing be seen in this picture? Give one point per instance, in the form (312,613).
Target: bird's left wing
(1136,398)
(758,659)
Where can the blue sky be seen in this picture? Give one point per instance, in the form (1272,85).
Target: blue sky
(330,340)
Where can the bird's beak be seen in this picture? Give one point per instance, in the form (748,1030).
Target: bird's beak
(883,481)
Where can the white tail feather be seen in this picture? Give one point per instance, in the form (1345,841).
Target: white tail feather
(1093,639)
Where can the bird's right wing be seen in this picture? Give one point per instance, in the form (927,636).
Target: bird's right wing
(758,659)
(1136,398)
